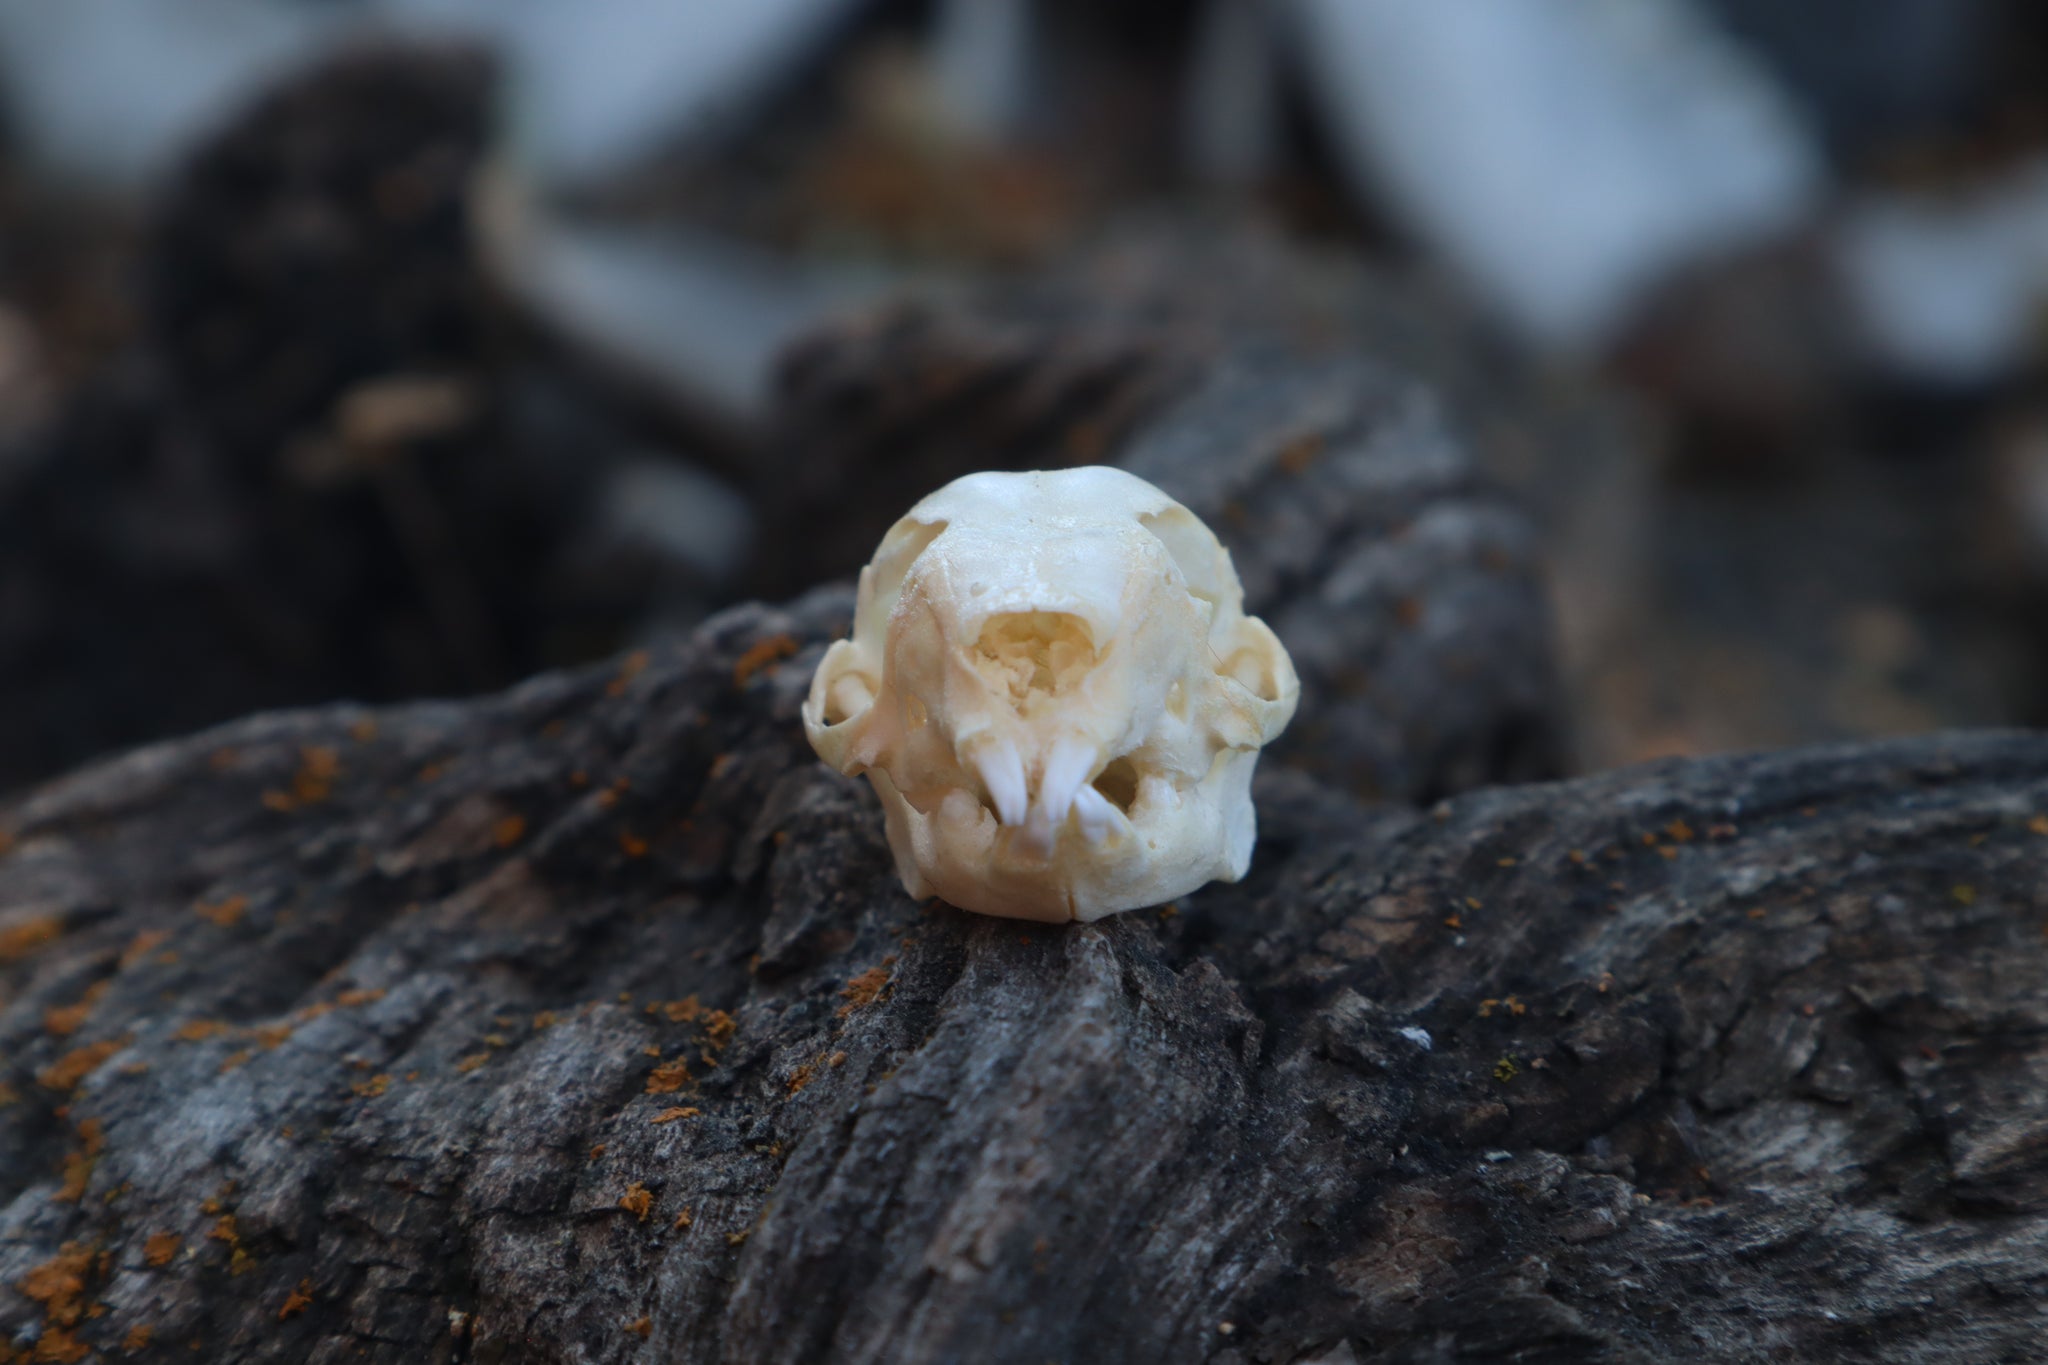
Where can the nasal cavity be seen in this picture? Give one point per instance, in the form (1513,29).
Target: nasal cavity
(1034,657)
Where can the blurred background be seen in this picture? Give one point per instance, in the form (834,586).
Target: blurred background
(387,348)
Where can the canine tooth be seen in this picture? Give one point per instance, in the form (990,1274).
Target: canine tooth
(1066,772)
(1002,772)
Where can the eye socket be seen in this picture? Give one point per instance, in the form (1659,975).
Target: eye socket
(1203,563)
(906,540)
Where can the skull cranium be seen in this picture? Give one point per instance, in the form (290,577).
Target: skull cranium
(1053,687)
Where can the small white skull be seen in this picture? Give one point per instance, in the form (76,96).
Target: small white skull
(1056,693)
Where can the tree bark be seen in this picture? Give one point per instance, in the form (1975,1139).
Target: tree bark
(588,1023)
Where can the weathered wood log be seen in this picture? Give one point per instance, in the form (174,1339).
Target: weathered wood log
(587,1023)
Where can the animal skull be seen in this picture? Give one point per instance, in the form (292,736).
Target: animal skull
(1056,693)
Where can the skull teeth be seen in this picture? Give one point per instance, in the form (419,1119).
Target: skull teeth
(1098,818)
(1063,789)
(1066,772)
(1002,772)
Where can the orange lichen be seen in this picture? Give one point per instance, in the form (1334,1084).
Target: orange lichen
(545,1019)
(58,1284)
(79,1163)
(238,1058)
(762,655)
(17,941)
(161,1247)
(632,845)
(297,1302)
(1679,831)
(671,1115)
(63,1021)
(74,1066)
(684,1011)
(638,1200)
(373,1087)
(360,996)
(6,842)
(271,1037)
(668,1078)
(57,1346)
(224,914)
(137,1338)
(641,1327)
(470,1063)
(719,1027)
(801,1077)
(630,667)
(1300,452)
(1963,893)
(141,946)
(198,1030)
(2039,824)
(683,1220)
(863,990)
(509,831)
(836,1060)
(314,781)
(363,731)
